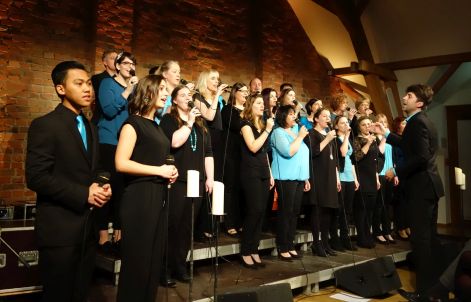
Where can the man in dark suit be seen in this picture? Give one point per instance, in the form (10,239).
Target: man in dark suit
(61,162)
(423,185)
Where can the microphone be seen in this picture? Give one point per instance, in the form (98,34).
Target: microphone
(183,81)
(329,126)
(170,160)
(191,104)
(295,102)
(132,72)
(103,178)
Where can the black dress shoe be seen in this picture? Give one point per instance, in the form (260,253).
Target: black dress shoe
(348,244)
(182,277)
(168,282)
(336,244)
(330,251)
(106,249)
(318,250)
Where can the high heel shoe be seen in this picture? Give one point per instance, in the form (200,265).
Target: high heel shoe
(258,264)
(318,250)
(247,265)
(381,240)
(390,239)
(284,258)
(295,256)
(402,235)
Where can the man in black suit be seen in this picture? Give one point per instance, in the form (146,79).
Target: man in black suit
(423,185)
(61,162)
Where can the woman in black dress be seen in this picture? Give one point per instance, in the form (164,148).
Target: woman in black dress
(366,153)
(209,102)
(325,182)
(191,146)
(256,177)
(140,155)
(231,156)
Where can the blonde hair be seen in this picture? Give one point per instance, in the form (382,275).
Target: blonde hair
(165,66)
(359,102)
(202,83)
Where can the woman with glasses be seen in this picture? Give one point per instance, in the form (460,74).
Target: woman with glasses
(114,94)
(231,156)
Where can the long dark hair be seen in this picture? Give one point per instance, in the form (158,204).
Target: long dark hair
(235,88)
(143,100)
(174,111)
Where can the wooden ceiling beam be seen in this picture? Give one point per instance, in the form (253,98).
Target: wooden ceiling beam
(428,61)
(445,77)
(364,67)
(354,85)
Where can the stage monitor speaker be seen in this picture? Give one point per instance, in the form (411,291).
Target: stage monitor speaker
(370,279)
(265,293)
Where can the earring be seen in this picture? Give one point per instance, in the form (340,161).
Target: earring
(146,100)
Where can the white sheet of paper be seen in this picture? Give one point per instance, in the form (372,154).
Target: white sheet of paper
(349,298)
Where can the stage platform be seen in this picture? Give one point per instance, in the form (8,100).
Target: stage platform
(306,273)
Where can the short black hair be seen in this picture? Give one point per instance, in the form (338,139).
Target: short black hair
(107,52)
(285,85)
(59,72)
(281,115)
(423,93)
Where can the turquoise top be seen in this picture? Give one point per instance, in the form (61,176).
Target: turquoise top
(388,162)
(284,166)
(347,174)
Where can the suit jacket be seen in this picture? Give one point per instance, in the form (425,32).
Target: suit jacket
(60,170)
(419,143)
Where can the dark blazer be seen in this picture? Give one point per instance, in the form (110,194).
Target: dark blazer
(419,143)
(60,170)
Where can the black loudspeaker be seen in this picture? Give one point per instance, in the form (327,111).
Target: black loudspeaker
(265,293)
(369,279)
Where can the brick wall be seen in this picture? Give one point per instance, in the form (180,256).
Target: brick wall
(240,39)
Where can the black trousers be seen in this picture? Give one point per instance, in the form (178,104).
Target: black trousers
(179,228)
(320,223)
(256,190)
(401,220)
(423,221)
(233,199)
(144,218)
(381,220)
(290,194)
(66,272)
(364,205)
(110,211)
(343,216)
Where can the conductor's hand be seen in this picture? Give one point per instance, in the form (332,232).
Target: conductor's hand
(98,196)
